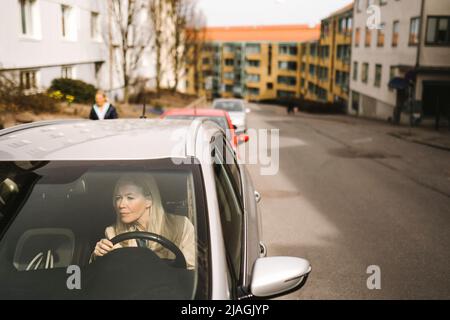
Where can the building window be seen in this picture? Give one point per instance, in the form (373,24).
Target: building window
(312,70)
(252,48)
(290,81)
(324,52)
(414,31)
(378,71)
(345,25)
(26,16)
(67,72)
(285,94)
(228,75)
(357,36)
(229,62)
(253,91)
(395,33)
(380,36)
(253,63)
(269,85)
(313,49)
(95,33)
(228,48)
(368,39)
(28,79)
(287,49)
(343,53)
(322,73)
(325,29)
(253,77)
(355,101)
(392,74)
(438,31)
(355,71)
(365,73)
(287,65)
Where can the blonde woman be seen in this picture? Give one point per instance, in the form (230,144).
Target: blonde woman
(102,110)
(138,206)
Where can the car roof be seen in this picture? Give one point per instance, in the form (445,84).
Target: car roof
(229,99)
(124,139)
(195,112)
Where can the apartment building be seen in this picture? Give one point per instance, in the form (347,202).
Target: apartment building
(405,57)
(325,63)
(41,40)
(256,63)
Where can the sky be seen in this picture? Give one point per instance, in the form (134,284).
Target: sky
(267,12)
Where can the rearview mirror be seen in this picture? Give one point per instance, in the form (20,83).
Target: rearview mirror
(275,276)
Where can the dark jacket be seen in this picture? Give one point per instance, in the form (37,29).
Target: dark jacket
(110,114)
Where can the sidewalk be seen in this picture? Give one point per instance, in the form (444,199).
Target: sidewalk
(424,135)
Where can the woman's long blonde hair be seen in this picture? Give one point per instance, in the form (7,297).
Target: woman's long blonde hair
(149,188)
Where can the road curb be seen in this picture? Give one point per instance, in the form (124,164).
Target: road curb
(428,144)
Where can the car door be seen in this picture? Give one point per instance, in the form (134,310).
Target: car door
(242,187)
(229,193)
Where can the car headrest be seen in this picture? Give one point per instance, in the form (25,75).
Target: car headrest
(44,248)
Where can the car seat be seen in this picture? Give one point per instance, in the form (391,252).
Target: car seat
(44,248)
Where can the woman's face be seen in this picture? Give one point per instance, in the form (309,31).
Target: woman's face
(131,205)
(100,99)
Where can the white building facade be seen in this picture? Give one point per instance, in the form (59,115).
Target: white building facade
(400,53)
(45,39)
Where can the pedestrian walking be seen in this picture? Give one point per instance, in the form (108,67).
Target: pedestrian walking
(102,109)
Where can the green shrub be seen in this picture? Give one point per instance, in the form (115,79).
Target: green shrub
(14,99)
(82,91)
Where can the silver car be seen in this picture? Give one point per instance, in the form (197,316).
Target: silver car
(237,110)
(56,199)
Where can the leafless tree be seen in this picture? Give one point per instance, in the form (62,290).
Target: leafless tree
(181,13)
(131,35)
(156,13)
(194,43)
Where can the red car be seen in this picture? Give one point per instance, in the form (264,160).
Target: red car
(218,116)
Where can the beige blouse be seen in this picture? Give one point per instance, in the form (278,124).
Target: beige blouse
(177,229)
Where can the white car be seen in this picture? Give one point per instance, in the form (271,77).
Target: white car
(56,186)
(236,109)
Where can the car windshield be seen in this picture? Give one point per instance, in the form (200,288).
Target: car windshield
(52,214)
(221,121)
(231,106)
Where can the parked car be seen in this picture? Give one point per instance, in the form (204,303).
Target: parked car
(236,109)
(220,117)
(57,183)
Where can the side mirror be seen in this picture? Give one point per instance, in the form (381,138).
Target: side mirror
(243,138)
(247,110)
(276,276)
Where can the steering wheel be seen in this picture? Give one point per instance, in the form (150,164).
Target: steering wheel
(180,260)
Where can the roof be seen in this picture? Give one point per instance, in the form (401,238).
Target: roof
(124,139)
(195,112)
(340,11)
(275,33)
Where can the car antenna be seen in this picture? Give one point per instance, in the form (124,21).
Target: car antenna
(143,112)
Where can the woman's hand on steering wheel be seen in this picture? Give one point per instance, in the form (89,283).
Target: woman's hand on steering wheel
(103,247)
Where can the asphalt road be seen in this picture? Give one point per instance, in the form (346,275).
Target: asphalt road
(348,195)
